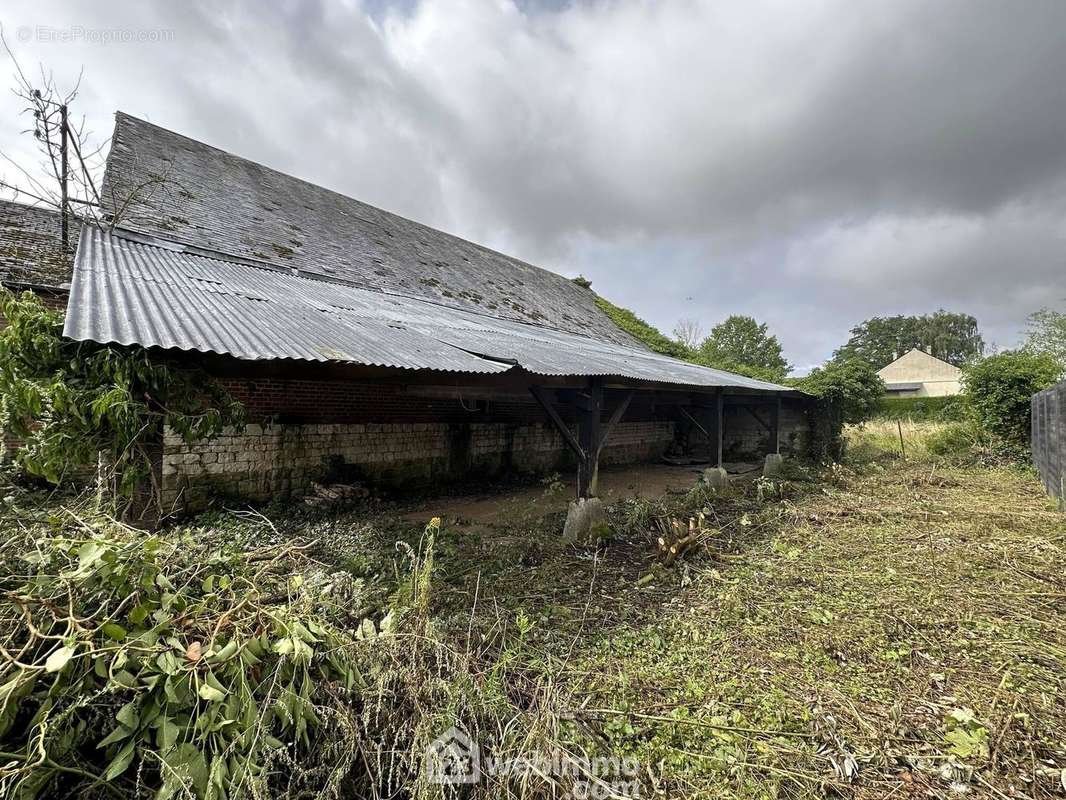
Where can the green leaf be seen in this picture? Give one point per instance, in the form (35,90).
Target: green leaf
(168,734)
(128,715)
(210,693)
(113,631)
(117,735)
(138,614)
(58,659)
(120,762)
(89,553)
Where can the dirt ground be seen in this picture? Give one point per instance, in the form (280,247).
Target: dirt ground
(646,481)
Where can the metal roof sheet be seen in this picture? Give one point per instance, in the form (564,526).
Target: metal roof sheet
(132,289)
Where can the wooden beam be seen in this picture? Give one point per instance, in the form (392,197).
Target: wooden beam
(694,421)
(766,425)
(719,431)
(775,426)
(589,405)
(616,415)
(549,407)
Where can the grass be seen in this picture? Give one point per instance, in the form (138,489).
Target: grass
(885,627)
(895,627)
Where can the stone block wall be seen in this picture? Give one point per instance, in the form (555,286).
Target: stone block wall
(746,440)
(262,462)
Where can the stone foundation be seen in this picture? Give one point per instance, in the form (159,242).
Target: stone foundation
(264,462)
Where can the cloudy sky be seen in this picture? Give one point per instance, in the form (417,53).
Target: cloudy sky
(811,164)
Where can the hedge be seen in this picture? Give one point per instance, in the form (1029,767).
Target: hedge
(949,407)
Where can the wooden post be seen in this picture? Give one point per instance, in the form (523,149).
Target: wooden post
(589,407)
(64,232)
(591,436)
(719,430)
(775,426)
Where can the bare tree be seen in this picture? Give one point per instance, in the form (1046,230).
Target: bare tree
(70,166)
(689,332)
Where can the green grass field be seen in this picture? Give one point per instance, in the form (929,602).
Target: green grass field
(880,628)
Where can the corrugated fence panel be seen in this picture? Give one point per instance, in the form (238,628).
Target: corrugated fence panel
(1049,438)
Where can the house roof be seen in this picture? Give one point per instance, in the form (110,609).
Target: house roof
(131,288)
(915,359)
(31,250)
(168,185)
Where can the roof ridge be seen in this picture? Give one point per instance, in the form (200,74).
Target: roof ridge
(320,187)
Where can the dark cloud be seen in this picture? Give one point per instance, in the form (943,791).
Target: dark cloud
(809,164)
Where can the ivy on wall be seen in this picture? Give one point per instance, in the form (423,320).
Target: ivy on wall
(70,401)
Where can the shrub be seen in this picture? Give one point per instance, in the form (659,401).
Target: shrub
(932,409)
(641,330)
(70,401)
(848,392)
(966,442)
(999,390)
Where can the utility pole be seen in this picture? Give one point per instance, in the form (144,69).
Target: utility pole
(65,226)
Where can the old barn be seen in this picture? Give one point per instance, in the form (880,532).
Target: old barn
(370,347)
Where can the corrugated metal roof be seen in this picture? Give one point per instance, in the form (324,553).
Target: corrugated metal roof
(132,289)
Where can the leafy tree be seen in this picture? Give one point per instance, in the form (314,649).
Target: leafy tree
(740,344)
(879,341)
(655,339)
(848,392)
(999,389)
(1047,334)
(69,401)
(853,386)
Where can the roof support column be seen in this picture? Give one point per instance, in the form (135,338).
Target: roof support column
(591,435)
(589,406)
(775,426)
(719,427)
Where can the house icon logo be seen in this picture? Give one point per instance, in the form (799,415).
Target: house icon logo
(453,758)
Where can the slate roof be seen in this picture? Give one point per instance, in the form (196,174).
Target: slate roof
(130,288)
(224,203)
(31,251)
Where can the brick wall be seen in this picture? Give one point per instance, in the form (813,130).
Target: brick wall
(380,434)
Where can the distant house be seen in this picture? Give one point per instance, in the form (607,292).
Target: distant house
(918,374)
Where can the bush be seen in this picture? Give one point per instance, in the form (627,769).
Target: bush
(848,392)
(999,390)
(966,442)
(930,409)
(70,401)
